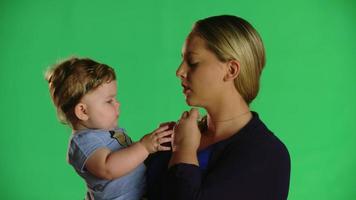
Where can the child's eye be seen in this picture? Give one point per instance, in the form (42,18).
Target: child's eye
(109,101)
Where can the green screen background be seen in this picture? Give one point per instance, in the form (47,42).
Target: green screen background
(307,96)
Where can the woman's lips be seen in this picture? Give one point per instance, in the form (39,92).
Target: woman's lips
(186,89)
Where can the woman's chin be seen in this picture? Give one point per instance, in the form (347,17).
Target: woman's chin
(188,101)
(191,102)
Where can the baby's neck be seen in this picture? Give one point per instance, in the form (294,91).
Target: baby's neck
(79,127)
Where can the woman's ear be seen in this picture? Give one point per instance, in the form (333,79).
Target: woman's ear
(233,70)
(80,111)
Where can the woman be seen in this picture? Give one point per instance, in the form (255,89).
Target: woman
(231,154)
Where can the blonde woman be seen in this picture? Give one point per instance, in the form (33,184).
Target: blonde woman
(231,154)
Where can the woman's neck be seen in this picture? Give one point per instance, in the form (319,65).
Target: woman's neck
(227,117)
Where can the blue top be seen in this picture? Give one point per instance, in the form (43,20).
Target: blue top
(203,157)
(81,146)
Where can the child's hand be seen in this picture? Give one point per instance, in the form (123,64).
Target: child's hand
(152,142)
(171,127)
(170,124)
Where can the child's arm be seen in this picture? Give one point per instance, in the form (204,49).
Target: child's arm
(108,164)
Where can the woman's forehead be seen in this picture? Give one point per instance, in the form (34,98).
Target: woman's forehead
(193,45)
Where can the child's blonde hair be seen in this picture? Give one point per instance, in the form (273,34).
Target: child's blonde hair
(71,79)
(233,38)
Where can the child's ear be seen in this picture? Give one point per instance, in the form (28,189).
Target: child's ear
(233,70)
(80,111)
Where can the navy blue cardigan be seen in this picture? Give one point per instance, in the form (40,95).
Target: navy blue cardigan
(253,164)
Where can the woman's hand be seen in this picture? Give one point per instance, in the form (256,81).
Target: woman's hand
(186,138)
(187,134)
(153,141)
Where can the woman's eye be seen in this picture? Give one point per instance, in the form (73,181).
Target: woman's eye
(192,64)
(109,101)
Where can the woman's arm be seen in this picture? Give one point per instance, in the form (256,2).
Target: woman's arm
(186,139)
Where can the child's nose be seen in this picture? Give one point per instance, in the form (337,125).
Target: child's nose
(117,104)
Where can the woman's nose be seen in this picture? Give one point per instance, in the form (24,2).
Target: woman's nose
(181,71)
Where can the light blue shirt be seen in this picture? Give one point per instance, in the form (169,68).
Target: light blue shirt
(81,146)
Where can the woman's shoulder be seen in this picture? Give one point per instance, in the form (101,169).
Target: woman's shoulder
(268,139)
(256,139)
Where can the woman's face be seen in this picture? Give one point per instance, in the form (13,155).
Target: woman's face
(201,73)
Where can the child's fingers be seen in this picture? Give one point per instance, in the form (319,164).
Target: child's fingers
(167,123)
(164,133)
(160,129)
(164,148)
(164,140)
(163,124)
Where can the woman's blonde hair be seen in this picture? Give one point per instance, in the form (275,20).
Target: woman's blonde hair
(71,79)
(233,38)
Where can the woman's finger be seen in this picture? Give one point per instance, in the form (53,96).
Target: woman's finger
(184,115)
(194,114)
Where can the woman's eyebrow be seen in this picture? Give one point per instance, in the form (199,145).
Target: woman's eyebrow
(189,53)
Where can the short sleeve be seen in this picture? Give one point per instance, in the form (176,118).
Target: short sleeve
(82,146)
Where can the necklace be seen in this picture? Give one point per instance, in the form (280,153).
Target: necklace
(232,118)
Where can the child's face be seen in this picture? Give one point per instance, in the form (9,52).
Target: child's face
(102,107)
